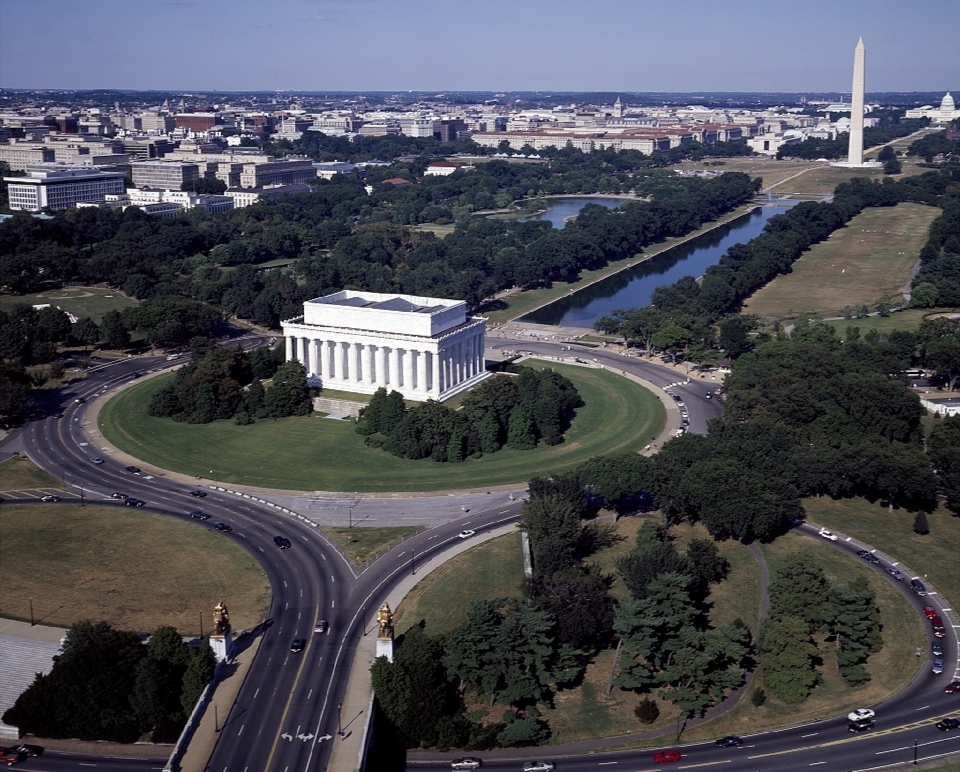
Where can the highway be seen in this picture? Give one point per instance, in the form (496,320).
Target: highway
(286,713)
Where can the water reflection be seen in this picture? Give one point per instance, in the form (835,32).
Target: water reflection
(633,288)
(563,208)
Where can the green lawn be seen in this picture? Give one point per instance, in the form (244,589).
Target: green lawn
(868,260)
(490,570)
(79,301)
(901,320)
(135,570)
(933,556)
(316,454)
(18,472)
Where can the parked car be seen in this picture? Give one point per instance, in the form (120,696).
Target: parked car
(827,534)
(896,574)
(861,714)
(223,527)
(466,534)
(199,514)
(730,741)
(198,494)
(296,646)
(918,587)
(665,757)
(132,502)
(282,542)
(49,497)
(466,763)
(948,724)
(937,668)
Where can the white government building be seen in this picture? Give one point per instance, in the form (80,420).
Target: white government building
(425,348)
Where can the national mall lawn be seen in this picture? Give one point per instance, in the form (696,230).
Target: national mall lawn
(314,453)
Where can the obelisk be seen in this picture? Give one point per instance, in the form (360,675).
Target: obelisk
(855,153)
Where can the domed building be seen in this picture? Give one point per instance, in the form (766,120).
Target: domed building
(944,114)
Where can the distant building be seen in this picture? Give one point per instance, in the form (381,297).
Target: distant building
(247,196)
(445,168)
(61,188)
(330,169)
(18,155)
(944,114)
(163,175)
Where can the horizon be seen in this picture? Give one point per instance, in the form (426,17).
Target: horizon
(563,46)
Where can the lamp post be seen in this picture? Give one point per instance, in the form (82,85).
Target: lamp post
(340,720)
(81,494)
(413,562)
(914,753)
(216,718)
(31,613)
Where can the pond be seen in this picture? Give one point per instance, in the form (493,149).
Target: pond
(561,209)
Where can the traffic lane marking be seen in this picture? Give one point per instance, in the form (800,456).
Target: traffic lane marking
(705,764)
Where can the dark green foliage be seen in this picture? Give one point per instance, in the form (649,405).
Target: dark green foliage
(85,331)
(799,589)
(758,697)
(199,672)
(289,395)
(943,447)
(114,330)
(209,387)
(520,431)
(920,524)
(646,711)
(787,655)
(619,480)
(854,621)
(578,599)
(552,523)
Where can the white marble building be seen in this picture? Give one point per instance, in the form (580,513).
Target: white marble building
(425,348)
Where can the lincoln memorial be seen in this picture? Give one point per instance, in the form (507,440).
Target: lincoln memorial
(425,348)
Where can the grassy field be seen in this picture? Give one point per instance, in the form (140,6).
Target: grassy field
(440,231)
(490,570)
(17,473)
(868,260)
(313,453)
(135,570)
(79,301)
(908,319)
(360,543)
(891,669)
(933,556)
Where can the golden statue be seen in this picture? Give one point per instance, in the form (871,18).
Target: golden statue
(221,619)
(385,619)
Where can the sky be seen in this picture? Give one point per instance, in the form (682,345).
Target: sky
(481,45)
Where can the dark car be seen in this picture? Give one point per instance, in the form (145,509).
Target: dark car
(936,649)
(297,645)
(730,741)
(952,688)
(132,469)
(199,514)
(79,401)
(198,494)
(117,496)
(30,750)
(49,497)
(918,587)
(282,542)
(132,502)
(223,527)
(865,725)
(948,724)
(868,556)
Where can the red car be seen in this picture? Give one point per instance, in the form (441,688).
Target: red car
(929,612)
(664,757)
(952,688)
(12,756)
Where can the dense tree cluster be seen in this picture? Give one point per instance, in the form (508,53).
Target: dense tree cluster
(933,145)
(937,283)
(804,605)
(891,127)
(106,685)
(517,412)
(221,382)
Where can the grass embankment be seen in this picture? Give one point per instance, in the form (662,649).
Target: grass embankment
(891,669)
(933,556)
(868,260)
(136,570)
(19,473)
(908,319)
(313,453)
(79,301)
(361,543)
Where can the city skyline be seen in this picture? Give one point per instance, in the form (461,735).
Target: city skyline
(564,45)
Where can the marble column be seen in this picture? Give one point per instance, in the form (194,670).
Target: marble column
(289,343)
(331,360)
(381,366)
(394,374)
(305,358)
(368,364)
(435,385)
(422,372)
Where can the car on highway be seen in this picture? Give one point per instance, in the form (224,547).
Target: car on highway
(132,469)
(96,460)
(117,496)
(929,612)
(320,626)
(918,587)
(952,688)
(665,757)
(466,534)
(896,574)
(708,395)
(79,401)
(466,763)
(296,646)
(861,714)
(132,502)
(936,648)
(282,542)
(936,625)
(539,766)
(30,750)
(198,494)
(861,726)
(730,741)
(11,755)
(868,556)
(49,497)
(827,534)
(948,724)
(937,668)
(223,527)
(199,514)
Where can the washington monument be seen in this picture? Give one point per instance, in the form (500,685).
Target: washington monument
(855,153)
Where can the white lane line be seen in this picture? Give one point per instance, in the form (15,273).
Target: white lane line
(809,735)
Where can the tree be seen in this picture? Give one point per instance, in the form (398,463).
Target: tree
(647,711)
(799,589)
(579,600)
(920,525)
(85,331)
(787,655)
(199,673)
(289,395)
(520,435)
(854,620)
(114,331)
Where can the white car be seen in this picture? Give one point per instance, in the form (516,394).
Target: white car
(539,766)
(466,534)
(860,714)
(832,537)
(466,763)
(320,626)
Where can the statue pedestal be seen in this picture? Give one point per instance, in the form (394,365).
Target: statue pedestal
(221,645)
(385,648)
